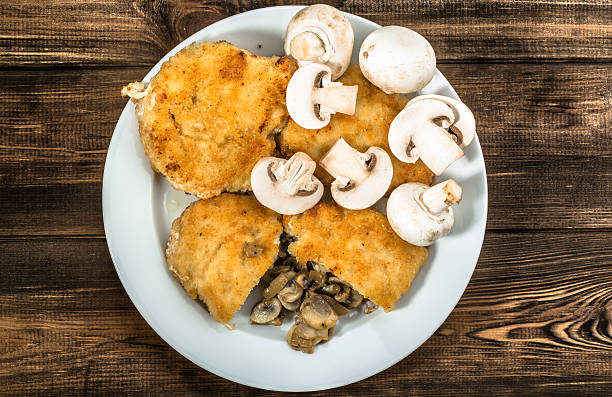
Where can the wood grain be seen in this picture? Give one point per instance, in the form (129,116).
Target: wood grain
(544,129)
(536,316)
(140,32)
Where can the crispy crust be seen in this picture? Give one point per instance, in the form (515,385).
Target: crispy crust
(369,126)
(210,114)
(207,250)
(359,247)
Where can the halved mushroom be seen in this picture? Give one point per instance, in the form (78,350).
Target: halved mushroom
(286,186)
(317,313)
(312,97)
(397,60)
(421,214)
(265,311)
(320,34)
(290,296)
(420,130)
(361,179)
(463,129)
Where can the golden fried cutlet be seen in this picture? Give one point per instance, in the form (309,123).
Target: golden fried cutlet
(210,114)
(359,247)
(220,247)
(368,127)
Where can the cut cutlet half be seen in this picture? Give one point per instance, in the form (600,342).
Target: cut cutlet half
(359,247)
(220,247)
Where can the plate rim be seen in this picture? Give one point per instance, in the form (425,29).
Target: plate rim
(169,339)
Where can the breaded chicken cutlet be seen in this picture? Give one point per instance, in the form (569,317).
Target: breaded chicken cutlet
(210,114)
(369,126)
(358,247)
(220,247)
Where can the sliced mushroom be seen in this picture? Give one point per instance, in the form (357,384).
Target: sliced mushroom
(272,272)
(303,280)
(397,60)
(312,97)
(278,321)
(420,130)
(463,129)
(344,295)
(369,306)
(288,187)
(338,308)
(317,277)
(330,289)
(303,337)
(318,267)
(421,214)
(290,296)
(251,250)
(354,300)
(361,179)
(317,313)
(265,311)
(278,284)
(320,34)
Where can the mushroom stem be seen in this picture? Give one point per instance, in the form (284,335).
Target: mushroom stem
(345,164)
(295,174)
(435,147)
(310,46)
(441,196)
(336,97)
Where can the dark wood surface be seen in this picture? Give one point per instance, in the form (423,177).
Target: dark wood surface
(536,317)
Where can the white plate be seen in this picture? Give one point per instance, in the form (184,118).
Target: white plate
(138,209)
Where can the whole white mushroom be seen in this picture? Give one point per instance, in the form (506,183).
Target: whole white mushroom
(320,34)
(420,214)
(397,60)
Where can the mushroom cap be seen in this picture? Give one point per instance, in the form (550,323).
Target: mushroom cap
(370,190)
(411,221)
(300,103)
(419,131)
(333,30)
(465,123)
(397,60)
(270,192)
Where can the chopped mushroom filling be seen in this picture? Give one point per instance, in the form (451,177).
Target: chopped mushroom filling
(315,295)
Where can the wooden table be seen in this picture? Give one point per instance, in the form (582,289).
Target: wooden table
(537,314)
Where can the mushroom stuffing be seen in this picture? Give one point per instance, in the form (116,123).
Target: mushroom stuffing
(289,155)
(314,295)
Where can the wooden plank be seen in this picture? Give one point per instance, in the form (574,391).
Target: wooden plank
(537,315)
(544,129)
(115,32)
(56,210)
